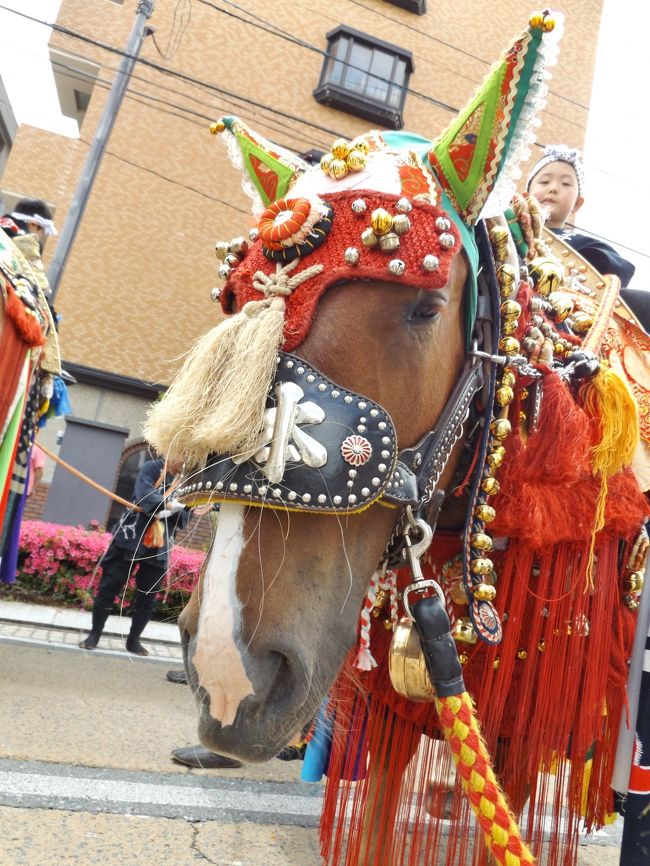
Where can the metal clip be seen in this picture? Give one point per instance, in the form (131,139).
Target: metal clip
(412,553)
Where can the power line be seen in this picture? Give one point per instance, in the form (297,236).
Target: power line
(446,44)
(283,34)
(171,72)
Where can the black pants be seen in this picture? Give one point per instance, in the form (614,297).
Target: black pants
(117,566)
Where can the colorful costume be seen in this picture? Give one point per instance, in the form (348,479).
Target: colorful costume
(541,626)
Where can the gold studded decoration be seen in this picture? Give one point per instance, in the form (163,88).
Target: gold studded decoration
(345,157)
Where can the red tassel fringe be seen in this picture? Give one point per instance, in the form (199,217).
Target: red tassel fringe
(549,697)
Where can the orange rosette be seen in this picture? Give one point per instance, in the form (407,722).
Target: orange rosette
(282,220)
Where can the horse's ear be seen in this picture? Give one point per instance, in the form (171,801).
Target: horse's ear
(272,169)
(480,152)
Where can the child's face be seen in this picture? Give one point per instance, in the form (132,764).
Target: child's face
(556,189)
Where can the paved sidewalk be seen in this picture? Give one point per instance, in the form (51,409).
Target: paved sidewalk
(62,628)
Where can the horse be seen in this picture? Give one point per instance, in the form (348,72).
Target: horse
(350,381)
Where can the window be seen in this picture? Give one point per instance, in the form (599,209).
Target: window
(365,76)
(132,460)
(417,6)
(75,80)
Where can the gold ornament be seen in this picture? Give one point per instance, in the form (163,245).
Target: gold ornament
(496,663)
(355,160)
(495,458)
(481,541)
(508,378)
(216,128)
(481,565)
(581,321)
(504,395)
(509,327)
(381,221)
(463,631)
(510,310)
(509,346)
(463,658)
(562,305)
(522,655)
(485,513)
(326,162)
(361,144)
(341,148)
(541,646)
(546,275)
(484,592)
(338,169)
(490,486)
(501,428)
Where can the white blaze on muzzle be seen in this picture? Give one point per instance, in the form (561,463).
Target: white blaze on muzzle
(217,659)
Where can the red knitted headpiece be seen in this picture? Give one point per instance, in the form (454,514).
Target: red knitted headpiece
(422,239)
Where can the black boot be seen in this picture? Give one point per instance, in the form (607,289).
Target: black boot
(100,615)
(139,621)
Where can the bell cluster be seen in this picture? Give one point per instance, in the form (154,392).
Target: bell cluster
(345,157)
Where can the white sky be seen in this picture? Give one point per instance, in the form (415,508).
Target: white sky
(618,133)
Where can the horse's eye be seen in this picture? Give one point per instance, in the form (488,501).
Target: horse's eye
(424,310)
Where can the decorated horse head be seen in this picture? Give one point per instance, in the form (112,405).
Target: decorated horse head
(392,346)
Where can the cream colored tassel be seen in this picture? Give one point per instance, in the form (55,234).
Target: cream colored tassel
(217,400)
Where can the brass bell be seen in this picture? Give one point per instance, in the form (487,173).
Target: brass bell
(463,631)
(485,513)
(406,665)
(509,346)
(581,322)
(355,160)
(510,310)
(338,169)
(508,378)
(509,326)
(490,486)
(361,144)
(562,305)
(326,162)
(499,235)
(546,275)
(504,395)
(484,592)
(381,221)
(481,565)
(340,148)
(481,541)
(501,429)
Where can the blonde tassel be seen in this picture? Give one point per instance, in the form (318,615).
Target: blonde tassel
(216,402)
(608,400)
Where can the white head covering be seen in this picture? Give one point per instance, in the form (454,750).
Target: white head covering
(45,224)
(560,153)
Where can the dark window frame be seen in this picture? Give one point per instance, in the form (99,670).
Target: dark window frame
(336,71)
(419,7)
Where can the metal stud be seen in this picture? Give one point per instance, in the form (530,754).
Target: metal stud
(430,263)
(447,240)
(219,485)
(352,499)
(300,370)
(385,455)
(350,483)
(381,425)
(335,393)
(362,405)
(263,489)
(215,294)
(352,255)
(365,491)
(396,267)
(208,485)
(375,482)
(443,224)
(322,387)
(311,378)
(306,497)
(385,440)
(289,364)
(337,500)
(277,492)
(322,498)
(292,495)
(352,473)
(248,488)
(361,428)
(347,398)
(382,467)
(233,487)
(374,413)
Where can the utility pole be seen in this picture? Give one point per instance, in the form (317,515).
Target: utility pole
(97,148)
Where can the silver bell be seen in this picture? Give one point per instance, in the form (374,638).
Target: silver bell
(396,267)
(359,205)
(351,256)
(215,294)
(430,263)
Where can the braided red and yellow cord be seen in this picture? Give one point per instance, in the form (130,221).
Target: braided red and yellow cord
(460,727)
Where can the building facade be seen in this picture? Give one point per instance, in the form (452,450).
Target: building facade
(136,290)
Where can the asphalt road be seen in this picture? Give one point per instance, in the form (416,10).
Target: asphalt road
(86,778)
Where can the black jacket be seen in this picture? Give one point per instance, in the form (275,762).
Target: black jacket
(131,529)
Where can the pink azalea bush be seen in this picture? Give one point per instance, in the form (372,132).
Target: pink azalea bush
(58,563)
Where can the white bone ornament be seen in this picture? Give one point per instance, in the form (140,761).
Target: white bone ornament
(283,441)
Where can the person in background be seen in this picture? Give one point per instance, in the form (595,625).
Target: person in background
(557,181)
(36,467)
(142,539)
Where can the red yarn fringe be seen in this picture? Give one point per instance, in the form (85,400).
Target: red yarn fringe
(27,326)
(549,697)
